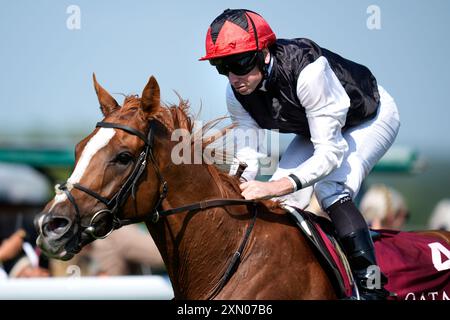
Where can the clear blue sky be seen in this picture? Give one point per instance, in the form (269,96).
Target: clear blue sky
(46,68)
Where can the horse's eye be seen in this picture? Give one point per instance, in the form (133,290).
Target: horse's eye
(124,158)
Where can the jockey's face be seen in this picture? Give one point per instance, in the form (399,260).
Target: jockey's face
(247,83)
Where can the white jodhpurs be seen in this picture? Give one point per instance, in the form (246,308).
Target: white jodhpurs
(367,143)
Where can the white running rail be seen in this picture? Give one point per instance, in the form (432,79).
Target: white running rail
(87,288)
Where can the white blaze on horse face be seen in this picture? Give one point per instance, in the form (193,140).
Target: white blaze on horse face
(97,142)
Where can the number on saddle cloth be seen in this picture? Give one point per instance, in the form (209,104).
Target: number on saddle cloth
(417,265)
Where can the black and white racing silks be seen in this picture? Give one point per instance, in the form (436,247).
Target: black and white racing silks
(310,91)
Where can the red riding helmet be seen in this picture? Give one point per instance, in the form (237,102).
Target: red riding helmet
(236,31)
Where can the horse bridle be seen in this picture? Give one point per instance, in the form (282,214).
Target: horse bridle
(114,205)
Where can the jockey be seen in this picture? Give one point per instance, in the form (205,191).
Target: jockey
(344,123)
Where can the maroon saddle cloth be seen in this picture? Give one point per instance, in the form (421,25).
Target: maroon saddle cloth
(417,266)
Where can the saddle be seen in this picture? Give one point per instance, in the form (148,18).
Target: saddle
(320,233)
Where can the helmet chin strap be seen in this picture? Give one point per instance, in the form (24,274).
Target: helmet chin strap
(259,84)
(263,67)
(265,75)
(266,67)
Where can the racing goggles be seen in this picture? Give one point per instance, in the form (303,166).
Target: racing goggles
(239,64)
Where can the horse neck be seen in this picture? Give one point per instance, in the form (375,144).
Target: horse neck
(197,246)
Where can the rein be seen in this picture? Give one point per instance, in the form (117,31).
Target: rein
(114,205)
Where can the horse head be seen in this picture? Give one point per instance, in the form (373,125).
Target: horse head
(101,193)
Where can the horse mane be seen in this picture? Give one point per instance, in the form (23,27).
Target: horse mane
(131,100)
(178,116)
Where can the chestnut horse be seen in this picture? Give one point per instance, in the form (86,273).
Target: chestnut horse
(198,246)
(215,244)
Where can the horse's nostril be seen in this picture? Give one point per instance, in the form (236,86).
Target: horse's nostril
(56,225)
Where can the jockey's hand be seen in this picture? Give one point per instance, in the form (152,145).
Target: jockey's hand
(266,190)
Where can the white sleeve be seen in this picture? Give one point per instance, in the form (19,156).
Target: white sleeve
(248,136)
(326,104)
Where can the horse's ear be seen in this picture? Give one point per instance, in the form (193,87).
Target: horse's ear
(150,100)
(107,103)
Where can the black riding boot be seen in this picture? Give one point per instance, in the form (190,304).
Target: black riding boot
(354,236)
(361,255)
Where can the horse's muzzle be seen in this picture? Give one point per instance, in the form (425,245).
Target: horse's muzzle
(57,236)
